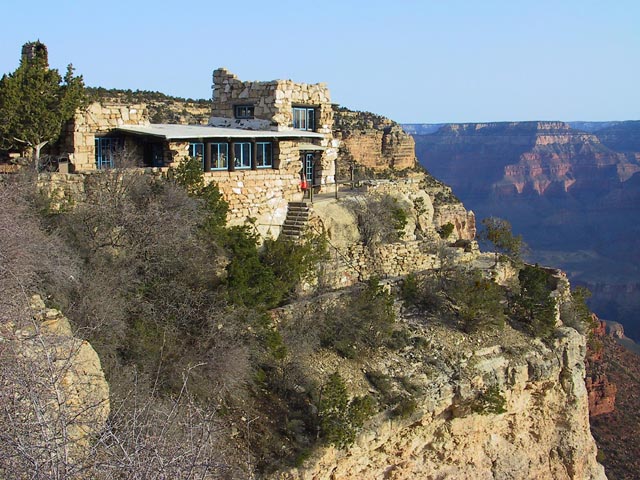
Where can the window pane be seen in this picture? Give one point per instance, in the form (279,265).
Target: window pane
(196,150)
(311,122)
(219,155)
(264,157)
(243,155)
(244,111)
(106,149)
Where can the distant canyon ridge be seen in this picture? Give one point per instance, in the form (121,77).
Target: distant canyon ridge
(572,189)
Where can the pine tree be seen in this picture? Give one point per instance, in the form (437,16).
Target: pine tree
(35,102)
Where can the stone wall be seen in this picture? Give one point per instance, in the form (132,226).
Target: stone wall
(359,263)
(259,197)
(97,118)
(273,101)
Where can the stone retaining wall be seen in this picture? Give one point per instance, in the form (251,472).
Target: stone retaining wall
(359,263)
(262,195)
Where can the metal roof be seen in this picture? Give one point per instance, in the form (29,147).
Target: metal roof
(184,132)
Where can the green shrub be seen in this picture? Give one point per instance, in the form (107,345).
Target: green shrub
(292,262)
(399,220)
(341,418)
(366,320)
(409,290)
(446,230)
(479,301)
(534,305)
(489,401)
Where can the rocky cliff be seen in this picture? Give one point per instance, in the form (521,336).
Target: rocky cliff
(601,392)
(572,194)
(496,405)
(54,394)
(616,431)
(372,141)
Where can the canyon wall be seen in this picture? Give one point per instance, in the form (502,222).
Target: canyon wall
(572,194)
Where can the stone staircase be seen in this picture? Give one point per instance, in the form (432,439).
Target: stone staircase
(296,221)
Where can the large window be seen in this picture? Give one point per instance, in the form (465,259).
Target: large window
(304,118)
(264,156)
(242,152)
(219,156)
(107,149)
(243,111)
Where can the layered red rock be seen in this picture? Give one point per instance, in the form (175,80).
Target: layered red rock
(616,433)
(523,157)
(601,392)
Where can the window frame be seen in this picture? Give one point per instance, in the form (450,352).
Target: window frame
(193,151)
(240,162)
(216,152)
(244,112)
(264,150)
(304,118)
(109,145)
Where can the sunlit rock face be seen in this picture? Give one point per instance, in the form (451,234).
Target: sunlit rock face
(543,432)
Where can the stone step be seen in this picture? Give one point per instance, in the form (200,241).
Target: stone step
(299,217)
(299,204)
(296,220)
(298,212)
(294,224)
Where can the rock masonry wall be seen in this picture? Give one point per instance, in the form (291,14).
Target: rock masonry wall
(273,104)
(98,118)
(273,101)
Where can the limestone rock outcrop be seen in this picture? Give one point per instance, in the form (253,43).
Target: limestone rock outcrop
(372,141)
(57,384)
(543,432)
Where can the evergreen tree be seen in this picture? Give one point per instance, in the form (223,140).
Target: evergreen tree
(498,232)
(35,102)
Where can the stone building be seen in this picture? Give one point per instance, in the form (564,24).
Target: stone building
(267,144)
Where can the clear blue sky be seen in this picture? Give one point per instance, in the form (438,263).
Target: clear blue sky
(425,61)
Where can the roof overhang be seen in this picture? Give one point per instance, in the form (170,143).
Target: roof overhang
(310,147)
(188,132)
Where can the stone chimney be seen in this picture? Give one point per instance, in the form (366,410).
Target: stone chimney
(33,50)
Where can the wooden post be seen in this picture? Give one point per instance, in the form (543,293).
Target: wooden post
(207,157)
(232,156)
(254,155)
